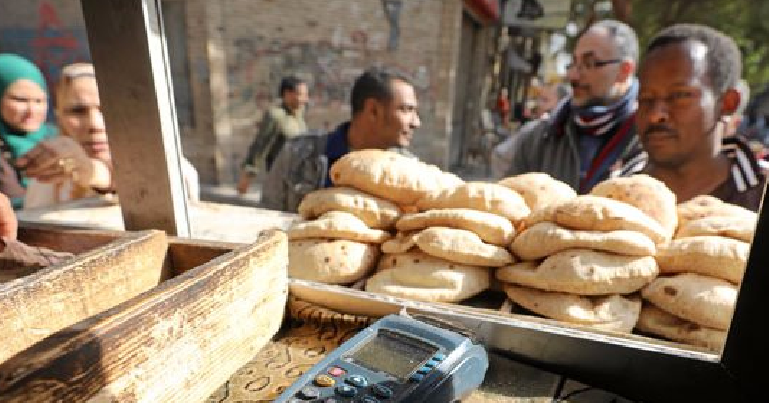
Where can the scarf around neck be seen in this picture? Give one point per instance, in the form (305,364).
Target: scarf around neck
(598,120)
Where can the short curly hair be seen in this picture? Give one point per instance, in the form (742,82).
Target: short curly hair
(724,59)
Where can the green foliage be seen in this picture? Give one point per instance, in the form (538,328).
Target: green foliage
(746,21)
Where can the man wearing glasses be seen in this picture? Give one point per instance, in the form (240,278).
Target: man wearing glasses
(688,93)
(591,133)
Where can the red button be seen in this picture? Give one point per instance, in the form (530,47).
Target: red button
(336,371)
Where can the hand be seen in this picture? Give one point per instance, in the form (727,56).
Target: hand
(57,160)
(8,223)
(243,182)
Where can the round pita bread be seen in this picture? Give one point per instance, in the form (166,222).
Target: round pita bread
(402,243)
(488,197)
(331,261)
(390,175)
(613,312)
(538,189)
(595,213)
(704,300)
(648,194)
(709,206)
(414,271)
(339,225)
(740,228)
(714,256)
(583,272)
(491,228)
(545,238)
(658,322)
(461,246)
(375,212)
(469,282)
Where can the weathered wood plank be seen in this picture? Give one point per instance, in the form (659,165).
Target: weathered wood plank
(129,55)
(37,305)
(186,254)
(176,343)
(66,240)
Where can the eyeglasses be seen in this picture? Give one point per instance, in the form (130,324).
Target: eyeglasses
(591,64)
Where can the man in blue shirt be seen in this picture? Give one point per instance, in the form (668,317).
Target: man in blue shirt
(384,116)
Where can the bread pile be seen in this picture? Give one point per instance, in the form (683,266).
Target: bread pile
(701,268)
(348,223)
(444,251)
(586,257)
(623,257)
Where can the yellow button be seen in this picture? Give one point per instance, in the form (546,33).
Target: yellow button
(324,381)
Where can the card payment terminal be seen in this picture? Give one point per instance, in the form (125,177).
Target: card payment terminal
(397,359)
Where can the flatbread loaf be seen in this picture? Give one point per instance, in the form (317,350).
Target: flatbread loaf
(374,211)
(538,189)
(403,242)
(331,261)
(658,322)
(740,228)
(613,312)
(338,225)
(704,300)
(488,197)
(648,194)
(491,228)
(437,278)
(583,272)
(714,256)
(390,175)
(595,213)
(545,238)
(461,246)
(468,282)
(708,206)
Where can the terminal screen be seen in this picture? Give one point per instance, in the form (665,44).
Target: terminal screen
(393,353)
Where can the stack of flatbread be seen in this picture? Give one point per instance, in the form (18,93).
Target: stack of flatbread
(444,252)
(585,257)
(538,189)
(702,267)
(347,223)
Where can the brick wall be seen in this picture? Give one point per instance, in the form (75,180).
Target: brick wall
(329,43)
(237,51)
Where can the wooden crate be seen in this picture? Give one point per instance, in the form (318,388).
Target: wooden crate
(215,307)
(109,268)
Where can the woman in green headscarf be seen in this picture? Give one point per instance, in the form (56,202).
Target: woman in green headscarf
(23,110)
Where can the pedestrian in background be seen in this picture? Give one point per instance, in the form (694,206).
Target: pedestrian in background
(279,124)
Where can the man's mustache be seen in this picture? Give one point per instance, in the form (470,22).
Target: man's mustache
(659,129)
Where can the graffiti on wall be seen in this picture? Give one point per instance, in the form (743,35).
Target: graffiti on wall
(48,43)
(392,10)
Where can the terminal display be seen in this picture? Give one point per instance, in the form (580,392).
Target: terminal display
(393,354)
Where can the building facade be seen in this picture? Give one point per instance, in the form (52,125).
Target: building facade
(228,56)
